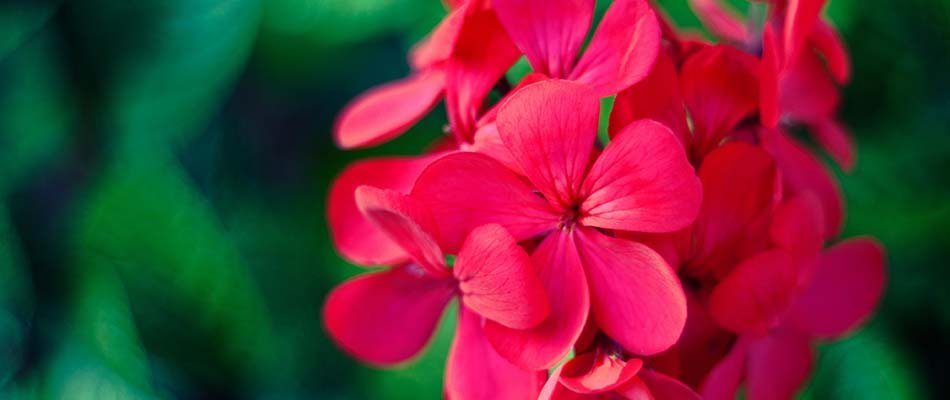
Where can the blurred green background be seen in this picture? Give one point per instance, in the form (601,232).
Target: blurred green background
(164,166)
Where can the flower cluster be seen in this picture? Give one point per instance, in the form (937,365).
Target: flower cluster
(693,253)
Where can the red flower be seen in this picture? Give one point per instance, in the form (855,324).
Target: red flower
(386,317)
(641,182)
(551,32)
(781,300)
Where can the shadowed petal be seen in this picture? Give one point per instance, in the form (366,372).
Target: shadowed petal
(642,182)
(474,371)
(834,138)
(636,298)
(498,281)
(386,317)
(723,381)
(755,294)
(665,387)
(778,366)
(828,42)
(656,97)
(597,372)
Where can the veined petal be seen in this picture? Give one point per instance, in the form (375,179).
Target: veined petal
(642,182)
(623,48)
(720,87)
(357,238)
(753,297)
(550,128)
(405,223)
(636,298)
(778,365)
(847,283)
(597,372)
(802,172)
(386,111)
(466,190)
(474,371)
(549,32)
(562,275)
(665,387)
(482,54)
(498,281)
(656,97)
(386,317)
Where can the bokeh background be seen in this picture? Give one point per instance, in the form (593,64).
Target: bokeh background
(164,167)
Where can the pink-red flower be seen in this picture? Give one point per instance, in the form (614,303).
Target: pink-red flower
(569,198)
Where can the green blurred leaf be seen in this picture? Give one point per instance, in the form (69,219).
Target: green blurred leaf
(19,19)
(15,301)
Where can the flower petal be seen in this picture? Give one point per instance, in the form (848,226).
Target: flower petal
(806,91)
(828,42)
(549,32)
(800,19)
(481,56)
(720,87)
(554,390)
(635,389)
(623,48)
(802,172)
(465,190)
(597,372)
(441,41)
(770,69)
(834,138)
(386,111)
(498,281)
(656,97)
(727,213)
(845,287)
(636,298)
(475,371)
(405,223)
(797,225)
(550,128)
(386,317)
(642,182)
(752,298)
(356,238)
(665,387)
(723,381)
(562,275)
(778,366)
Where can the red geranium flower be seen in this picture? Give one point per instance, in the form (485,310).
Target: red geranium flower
(387,317)
(571,201)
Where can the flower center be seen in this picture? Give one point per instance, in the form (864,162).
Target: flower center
(569,218)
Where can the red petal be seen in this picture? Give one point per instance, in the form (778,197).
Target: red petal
(665,387)
(550,128)
(845,287)
(797,225)
(623,48)
(834,138)
(597,372)
(635,389)
(752,298)
(562,275)
(405,223)
(720,87)
(356,237)
(475,371)
(806,91)
(800,18)
(778,366)
(721,20)
(656,97)
(801,172)
(727,213)
(642,182)
(466,190)
(488,142)
(439,44)
(386,111)
(549,32)
(723,381)
(482,55)
(769,70)
(554,390)
(635,296)
(386,317)
(498,281)
(827,41)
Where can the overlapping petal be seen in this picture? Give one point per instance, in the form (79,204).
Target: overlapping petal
(656,97)
(753,297)
(549,32)
(778,365)
(597,372)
